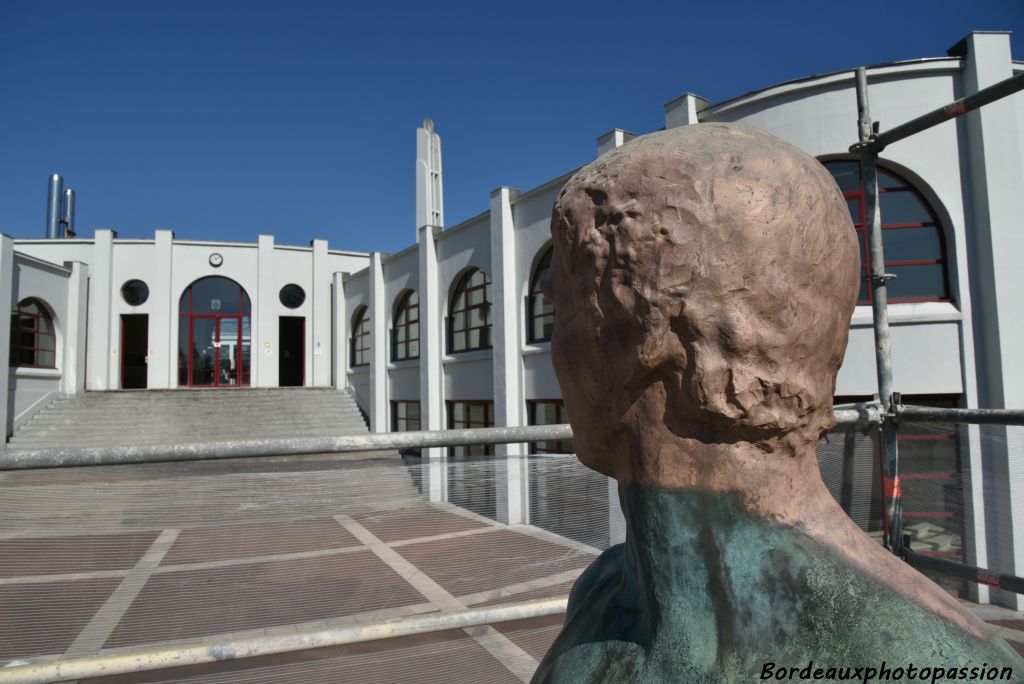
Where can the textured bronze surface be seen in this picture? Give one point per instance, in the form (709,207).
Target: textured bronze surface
(703,280)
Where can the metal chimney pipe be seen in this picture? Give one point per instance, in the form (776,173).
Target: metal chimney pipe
(53,202)
(69,213)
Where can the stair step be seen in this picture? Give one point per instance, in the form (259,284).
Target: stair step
(100,419)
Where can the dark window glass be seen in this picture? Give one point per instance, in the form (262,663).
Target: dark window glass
(292,296)
(911,236)
(405,336)
(33,341)
(135,292)
(901,206)
(549,412)
(469,323)
(464,415)
(541,311)
(916,281)
(215,295)
(361,338)
(847,175)
(912,244)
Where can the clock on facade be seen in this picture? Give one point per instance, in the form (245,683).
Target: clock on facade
(216,259)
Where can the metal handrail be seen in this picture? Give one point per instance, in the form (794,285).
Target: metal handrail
(222,650)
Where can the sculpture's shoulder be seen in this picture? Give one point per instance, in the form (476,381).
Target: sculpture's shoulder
(784,599)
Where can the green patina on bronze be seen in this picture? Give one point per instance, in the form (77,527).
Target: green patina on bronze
(704,592)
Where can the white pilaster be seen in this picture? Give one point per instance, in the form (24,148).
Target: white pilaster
(378,347)
(264,323)
(505,335)
(431,347)
(339,336)
(73,378)
(995,245)
(103,355)
(321,308)
(512,479)
(6,297)
(162,354)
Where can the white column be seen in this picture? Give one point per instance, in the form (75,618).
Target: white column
(378,347)
(6,297)
(162,354)
(102,354)
(435,482)
(512,478)
(339,335)
(264,323)
(321,311)
(995,243)
(73,380)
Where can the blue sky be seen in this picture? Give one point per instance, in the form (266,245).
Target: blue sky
(224,120)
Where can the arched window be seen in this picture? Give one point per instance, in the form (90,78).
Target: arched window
(469,323)
(214,340)
(405,337)
(541,311)
(33,340)
(915,251)
(360,338)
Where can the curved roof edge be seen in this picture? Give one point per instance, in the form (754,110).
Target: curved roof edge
(806,82)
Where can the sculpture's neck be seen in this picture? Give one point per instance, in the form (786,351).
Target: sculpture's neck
(696,562)
(676,538)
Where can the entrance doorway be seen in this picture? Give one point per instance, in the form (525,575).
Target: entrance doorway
(291,338)
(214,334)
(134,350)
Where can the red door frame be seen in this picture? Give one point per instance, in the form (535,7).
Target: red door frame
(217,346)
(242,378)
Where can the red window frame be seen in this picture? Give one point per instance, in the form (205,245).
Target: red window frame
(186,321)
(37,332)
(861,228)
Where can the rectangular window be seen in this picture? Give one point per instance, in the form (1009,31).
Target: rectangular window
(549,412)
(405,416)
(465,415)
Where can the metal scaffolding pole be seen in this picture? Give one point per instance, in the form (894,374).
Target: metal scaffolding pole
(77,457)
(879,308)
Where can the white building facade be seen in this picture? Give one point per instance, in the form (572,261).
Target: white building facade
(452,332)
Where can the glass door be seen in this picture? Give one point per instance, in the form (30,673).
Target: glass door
(214,340)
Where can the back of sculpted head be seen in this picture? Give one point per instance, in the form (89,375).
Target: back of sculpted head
(715,264)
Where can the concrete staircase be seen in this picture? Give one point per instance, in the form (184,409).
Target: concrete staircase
(101,419)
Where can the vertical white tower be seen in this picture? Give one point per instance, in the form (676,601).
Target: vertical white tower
(429,193)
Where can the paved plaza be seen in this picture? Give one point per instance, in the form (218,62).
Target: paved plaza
(106,560)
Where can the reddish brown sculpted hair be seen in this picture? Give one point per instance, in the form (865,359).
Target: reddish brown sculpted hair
(713,260)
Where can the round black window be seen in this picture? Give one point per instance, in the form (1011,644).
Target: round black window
(135,292)
(292,296)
